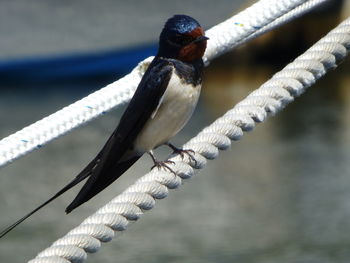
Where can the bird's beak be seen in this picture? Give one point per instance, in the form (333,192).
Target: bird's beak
(200,39)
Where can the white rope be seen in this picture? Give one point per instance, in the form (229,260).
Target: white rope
(223,38)
(270,98)
(296,12)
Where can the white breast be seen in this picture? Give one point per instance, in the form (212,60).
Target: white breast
(174,110)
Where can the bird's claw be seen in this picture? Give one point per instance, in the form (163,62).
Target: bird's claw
(164,165)
(188,152)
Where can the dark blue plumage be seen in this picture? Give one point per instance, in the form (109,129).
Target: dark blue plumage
(179,24)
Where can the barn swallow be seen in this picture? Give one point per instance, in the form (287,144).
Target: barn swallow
(162,104)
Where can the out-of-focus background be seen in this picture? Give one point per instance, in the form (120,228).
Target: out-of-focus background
(281,194)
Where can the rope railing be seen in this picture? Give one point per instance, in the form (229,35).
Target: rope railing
(267,100)
(223,37)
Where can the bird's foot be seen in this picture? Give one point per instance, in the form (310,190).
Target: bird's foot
(183,152)
(161,164)
(164,165)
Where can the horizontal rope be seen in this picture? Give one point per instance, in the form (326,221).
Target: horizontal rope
(267,100)
(223,38)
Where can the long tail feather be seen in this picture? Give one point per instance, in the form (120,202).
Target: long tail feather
(75,181)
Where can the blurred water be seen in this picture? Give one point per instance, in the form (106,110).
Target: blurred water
(49,27)
(281,194)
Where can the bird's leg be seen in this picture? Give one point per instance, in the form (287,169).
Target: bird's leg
(160,164)
(182,152)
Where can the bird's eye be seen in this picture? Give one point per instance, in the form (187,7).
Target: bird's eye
(182,40)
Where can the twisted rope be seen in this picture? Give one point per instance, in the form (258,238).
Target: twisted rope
(223,38)
(296,12)
(270,98)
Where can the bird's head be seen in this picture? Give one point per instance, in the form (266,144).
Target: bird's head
(182,38)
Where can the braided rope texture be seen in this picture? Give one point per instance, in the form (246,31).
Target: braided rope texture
(270,98)
(298,11)
(223,38)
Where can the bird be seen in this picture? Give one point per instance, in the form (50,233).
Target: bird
(162,104)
